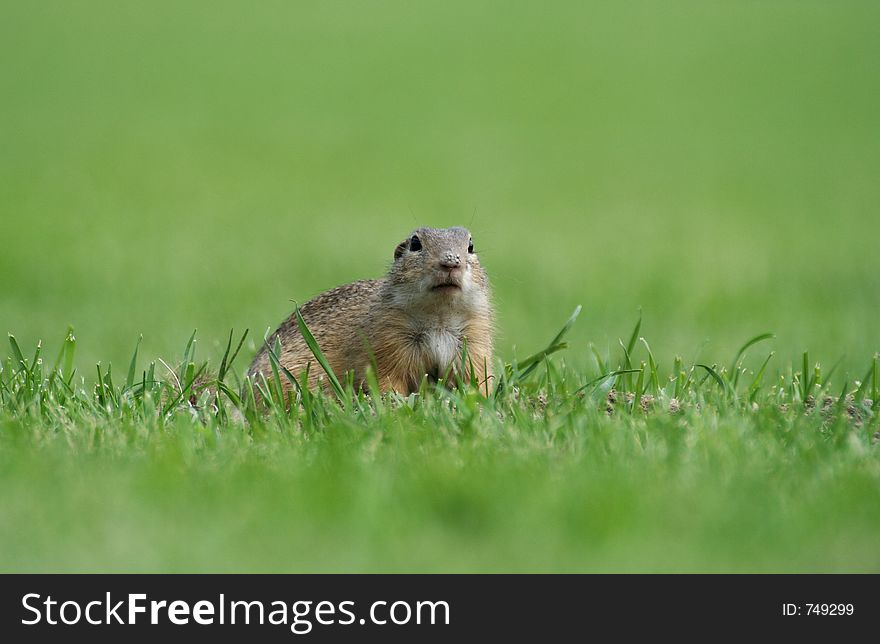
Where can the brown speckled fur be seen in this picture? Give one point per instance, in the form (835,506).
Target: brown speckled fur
(409,327)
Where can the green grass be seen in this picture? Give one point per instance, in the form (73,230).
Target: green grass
(172,167)
(621,468)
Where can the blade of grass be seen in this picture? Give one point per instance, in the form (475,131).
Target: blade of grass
(68,351)
(805,376)
(863,385)
(16,352)
(225,364)
(527,366)
(753,341)
(319,355)
(637,392)
(714,374)
(678,374)
(655,378)
(187,357)
(603,377)
(36,360)
(129,381)
(100,386)
(759,377)
(567,326)
(635,335)
(874,386)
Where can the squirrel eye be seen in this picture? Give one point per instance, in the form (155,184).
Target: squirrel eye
(415,243)
(470,245)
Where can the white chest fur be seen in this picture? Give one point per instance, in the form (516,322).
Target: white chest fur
(440,347)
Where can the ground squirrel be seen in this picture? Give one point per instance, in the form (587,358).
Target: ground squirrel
(411,323)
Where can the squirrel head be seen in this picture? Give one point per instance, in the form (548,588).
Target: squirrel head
(436,267)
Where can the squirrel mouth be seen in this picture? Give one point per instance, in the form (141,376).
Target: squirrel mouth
(446,287)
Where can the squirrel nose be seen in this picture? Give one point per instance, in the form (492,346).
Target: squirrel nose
(450,260)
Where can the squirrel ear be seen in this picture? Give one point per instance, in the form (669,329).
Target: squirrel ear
(400,248)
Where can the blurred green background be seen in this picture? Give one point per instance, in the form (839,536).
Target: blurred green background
(168,166)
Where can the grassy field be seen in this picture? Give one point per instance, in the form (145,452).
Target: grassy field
(173,167)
